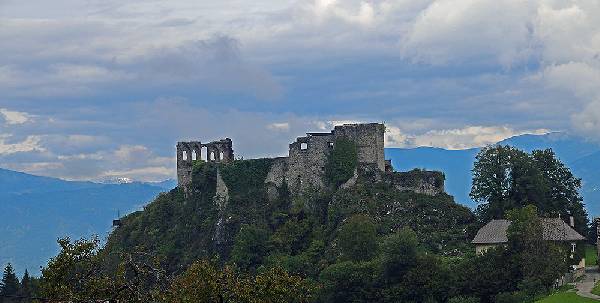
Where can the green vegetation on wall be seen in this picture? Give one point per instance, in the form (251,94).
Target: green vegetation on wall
(246,177)
(342,162)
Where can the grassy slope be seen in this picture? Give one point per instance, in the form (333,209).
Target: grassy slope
(566,297)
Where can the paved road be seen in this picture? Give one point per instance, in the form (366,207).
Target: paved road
(584,287)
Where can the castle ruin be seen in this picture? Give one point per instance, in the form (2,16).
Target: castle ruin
(304,167)
(187,152)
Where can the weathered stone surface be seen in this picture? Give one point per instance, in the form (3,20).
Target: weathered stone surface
(222,192)
(308,155)
(187,152)
(369,140)
(276,177)
(306,163)
(352,181)
(277,173)
(420,181)
(221,199)
(304,168)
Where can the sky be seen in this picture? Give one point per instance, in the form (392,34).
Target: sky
(99,89)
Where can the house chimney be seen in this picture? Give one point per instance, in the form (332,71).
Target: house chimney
(572,221)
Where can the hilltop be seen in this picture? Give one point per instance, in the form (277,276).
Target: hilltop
(221,207)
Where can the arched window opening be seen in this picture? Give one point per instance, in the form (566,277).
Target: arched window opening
(194,156)
(204,153)
(221,156)
(184,156)
(212,156)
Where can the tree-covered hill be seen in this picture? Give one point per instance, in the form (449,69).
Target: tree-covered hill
(232,237)
(254,228)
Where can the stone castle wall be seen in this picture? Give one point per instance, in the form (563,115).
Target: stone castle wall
(187,152)
(304,168)
(369,140)
(419,181)
(306,162)
(308,155)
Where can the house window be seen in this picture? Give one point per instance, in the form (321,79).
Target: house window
(303,146)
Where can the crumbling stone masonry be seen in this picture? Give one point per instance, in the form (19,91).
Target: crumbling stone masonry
(187,152)
(304,168)
(308,155)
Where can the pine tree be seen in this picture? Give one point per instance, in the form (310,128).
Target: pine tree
(10,282)
(25,289)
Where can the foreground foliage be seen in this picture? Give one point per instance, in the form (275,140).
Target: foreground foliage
(205,282)
(505,178)
(13,290)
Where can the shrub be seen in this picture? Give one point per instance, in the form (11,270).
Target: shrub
(250,247)
(357,238)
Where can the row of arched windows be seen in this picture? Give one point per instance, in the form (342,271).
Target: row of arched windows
(203,151)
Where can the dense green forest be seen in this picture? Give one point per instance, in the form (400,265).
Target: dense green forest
(366,243)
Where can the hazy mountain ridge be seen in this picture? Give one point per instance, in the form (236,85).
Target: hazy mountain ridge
(35,211)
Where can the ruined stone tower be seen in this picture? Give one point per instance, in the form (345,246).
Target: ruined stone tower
(187,152)
(308,155)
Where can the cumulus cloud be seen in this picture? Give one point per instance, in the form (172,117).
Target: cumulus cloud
(452,32)
(455,139)
(363,14)
(14,117)
(281,126)
(30,144)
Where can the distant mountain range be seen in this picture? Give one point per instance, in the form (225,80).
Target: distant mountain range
(35,211)
(583,157)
